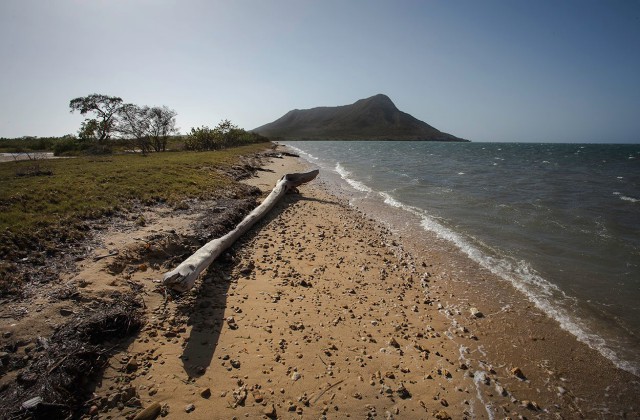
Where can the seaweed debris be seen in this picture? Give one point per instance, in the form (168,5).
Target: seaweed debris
(54,383)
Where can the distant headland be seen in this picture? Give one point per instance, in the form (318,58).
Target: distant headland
(374,118)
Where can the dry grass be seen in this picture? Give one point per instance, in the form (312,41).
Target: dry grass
(41,212)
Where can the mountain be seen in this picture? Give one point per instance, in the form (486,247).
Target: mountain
(374,118)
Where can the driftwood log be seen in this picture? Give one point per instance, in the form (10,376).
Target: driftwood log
(183,277)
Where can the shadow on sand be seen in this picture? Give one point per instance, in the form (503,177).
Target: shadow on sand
(207,309)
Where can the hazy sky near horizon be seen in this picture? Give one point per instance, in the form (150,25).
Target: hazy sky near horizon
(511,70)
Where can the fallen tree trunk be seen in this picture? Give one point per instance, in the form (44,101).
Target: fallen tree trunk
(183,277)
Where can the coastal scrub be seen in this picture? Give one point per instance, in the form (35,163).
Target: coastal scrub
(39,211)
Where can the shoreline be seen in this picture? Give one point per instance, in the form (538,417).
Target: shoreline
(322,311)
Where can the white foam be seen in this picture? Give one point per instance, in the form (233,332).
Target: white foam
(346,176)
(542,293)
(307,156)
(478,379)
(631,199)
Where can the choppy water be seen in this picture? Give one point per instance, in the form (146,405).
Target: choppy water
(561,222)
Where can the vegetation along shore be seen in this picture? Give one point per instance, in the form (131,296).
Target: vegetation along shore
(319,311)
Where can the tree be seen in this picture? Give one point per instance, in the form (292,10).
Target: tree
(133,124)
(225,134)
(105,109)
(162,124)
(148,128)
(201,138)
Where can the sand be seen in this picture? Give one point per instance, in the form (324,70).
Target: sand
(321,310)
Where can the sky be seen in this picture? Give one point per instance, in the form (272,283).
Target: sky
(511,70)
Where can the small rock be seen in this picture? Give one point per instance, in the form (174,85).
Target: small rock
(257,396)
(403,392)
(65,312)
(476,313)
(269,411)
(443,415)
(501,391)
(235,363)
(149,413)
(189,408)
(295,376)
(132,365)
(393,343)
(128,393)
(205,392)
(517,372)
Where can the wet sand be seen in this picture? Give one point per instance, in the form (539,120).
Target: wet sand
(322,311)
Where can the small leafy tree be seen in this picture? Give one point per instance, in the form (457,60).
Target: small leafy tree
(225,134)
(162,125)
(199,139)
(104,108)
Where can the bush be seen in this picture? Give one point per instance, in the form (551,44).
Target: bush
(71,147)
(222,136)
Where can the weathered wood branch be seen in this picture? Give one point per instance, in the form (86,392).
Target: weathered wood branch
(183,277)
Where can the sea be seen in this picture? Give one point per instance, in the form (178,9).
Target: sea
(560,222)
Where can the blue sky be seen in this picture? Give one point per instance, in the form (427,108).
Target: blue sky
(484,70)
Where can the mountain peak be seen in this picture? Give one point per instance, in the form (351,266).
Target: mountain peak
(373,118)
(380,100)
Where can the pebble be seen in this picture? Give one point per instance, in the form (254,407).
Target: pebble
(189,408)
(476,313)
(149,413)
(205,392)
(269,411)
(132,365)
(517,372)
(442,415)
(65,312)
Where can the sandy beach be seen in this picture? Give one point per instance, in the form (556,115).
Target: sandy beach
(321,311)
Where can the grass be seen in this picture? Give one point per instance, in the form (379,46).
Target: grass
(32,207)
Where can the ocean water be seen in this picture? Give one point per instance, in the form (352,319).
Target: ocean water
(560,222)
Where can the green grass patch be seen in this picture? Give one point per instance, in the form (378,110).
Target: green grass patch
(32,207)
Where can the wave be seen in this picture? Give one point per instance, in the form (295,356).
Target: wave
(625,198)
(306,155)
(346,175)
(545,295)
(538,290)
